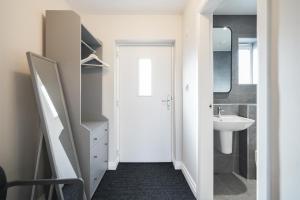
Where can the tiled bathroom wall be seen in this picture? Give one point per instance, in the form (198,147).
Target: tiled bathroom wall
(242,26)
(247,144)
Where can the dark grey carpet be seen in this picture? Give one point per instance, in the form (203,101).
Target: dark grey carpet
(144,181)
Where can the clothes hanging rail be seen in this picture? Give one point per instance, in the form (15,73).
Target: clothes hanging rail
(93,58)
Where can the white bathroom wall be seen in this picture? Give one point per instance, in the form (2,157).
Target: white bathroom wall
(190,90)
(109,29)
(21,30)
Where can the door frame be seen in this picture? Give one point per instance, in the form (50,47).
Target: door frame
(128,43)
(265,187)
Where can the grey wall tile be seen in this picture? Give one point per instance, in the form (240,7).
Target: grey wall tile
(223,163)
(243,153)
(228,109)
(243,110)
(252,142)
(251,169)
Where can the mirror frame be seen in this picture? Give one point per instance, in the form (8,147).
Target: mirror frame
(230,60)
(43,125)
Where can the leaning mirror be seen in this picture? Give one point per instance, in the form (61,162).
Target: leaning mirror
(222,49)
(54,119)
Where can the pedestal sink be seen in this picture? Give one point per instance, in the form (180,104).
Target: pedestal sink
(225,125)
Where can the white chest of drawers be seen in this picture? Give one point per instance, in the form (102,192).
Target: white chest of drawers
(96,154)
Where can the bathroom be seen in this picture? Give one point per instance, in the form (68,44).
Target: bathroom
(235,94)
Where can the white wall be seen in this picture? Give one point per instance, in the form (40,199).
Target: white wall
(197,114)
(109,29)
(205,110)
(285,98)
(190,88)
(21,30)
(263,159)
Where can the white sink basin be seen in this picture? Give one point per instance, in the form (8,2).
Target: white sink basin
(225,125)
(231,123)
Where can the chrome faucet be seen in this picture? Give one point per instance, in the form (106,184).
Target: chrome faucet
(220,110)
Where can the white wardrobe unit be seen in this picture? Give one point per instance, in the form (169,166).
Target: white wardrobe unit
(68,42)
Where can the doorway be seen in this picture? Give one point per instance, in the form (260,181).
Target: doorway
(262,162)
(235,83)
(145,102)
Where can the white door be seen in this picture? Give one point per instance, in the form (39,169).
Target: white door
(145,103)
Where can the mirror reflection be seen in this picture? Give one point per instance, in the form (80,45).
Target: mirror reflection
(222,48)
(56,128)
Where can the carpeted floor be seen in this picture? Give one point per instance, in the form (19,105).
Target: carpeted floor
(144,181)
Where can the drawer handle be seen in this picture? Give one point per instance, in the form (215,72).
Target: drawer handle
(106,129)
(95,156)
(106,143)
(95,139)
(106,161)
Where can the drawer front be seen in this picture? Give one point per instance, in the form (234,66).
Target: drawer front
(99,154)
(97,134)
(99,163)
(95,180)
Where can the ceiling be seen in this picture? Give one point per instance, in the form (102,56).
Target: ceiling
(237,7)
(129,6)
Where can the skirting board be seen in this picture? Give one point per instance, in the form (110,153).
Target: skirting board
(179,165)
(114,164)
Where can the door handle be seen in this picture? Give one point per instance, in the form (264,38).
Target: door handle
(168,101)
(165,101)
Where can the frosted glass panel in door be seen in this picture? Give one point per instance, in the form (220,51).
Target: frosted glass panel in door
(145,77)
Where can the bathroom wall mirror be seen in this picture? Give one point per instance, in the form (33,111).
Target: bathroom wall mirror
(54,118)
(222,48)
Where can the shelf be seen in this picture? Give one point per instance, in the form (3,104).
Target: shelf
(93,61)
(92,125)
(89,39)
